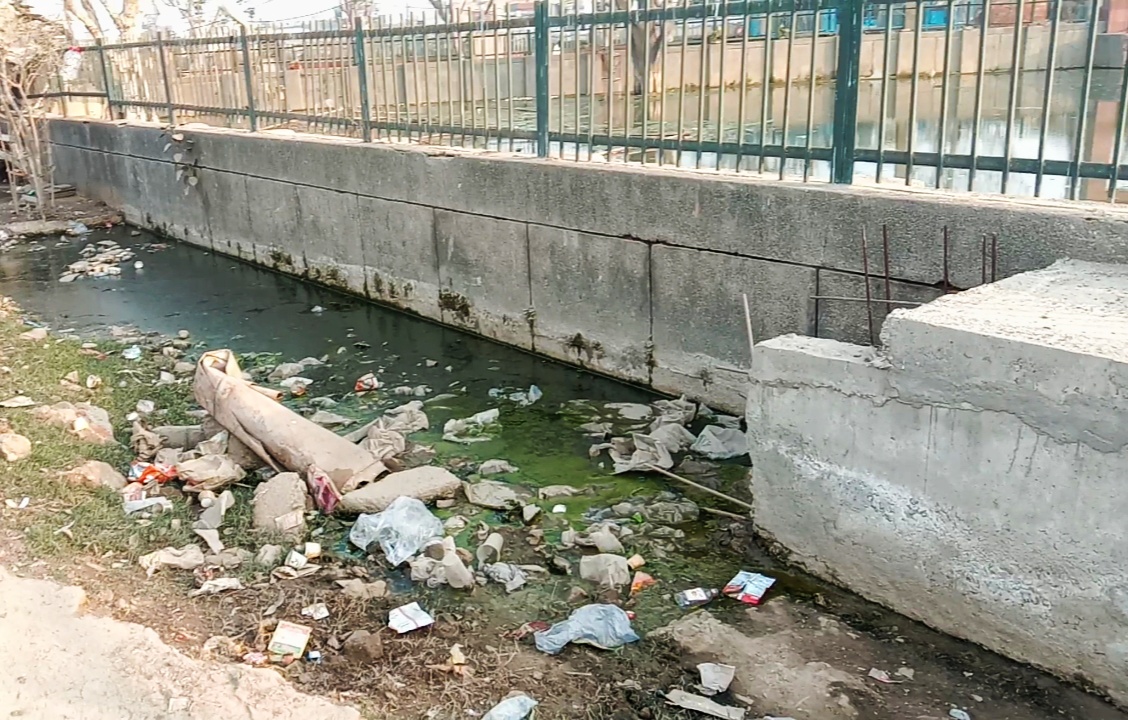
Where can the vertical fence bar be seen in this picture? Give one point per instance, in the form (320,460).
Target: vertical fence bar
(107,83)
(540,38)
(811,97)
(914,89)
(628,89)
(977,111)
(1083,108)
(361,59)
(702,86)
(742,100)
(248,83)
(944,94)
(887,47)
(576,84)
(165,79)
(1012,94)
(681,82)
(721,81)
(428,122)
(766,85)
(664,36)
(846,90)
(787,94)
(610,99)
(1047,97)
(645,134)
(591,89)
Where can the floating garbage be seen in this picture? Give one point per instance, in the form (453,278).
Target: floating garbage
(517,707)
(409,617)
(402,529)
(695,597)
(603,626)
(469,430)
(524,398)
(720,443)
(366,383)
(102,259)
(748,587)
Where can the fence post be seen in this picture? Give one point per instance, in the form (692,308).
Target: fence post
(106,82)
(542,55)
(164,78)
(252,119)
(362,80)
(846,89)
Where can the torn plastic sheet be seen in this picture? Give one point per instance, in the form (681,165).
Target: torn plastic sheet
(638,453)
(720,443)
(468,430)
(278,435)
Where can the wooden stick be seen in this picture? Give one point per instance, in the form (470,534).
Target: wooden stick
(723,513)
(700,487)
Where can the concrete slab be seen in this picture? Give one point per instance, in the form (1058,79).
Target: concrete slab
(331,238)
(484,276)
(273,208)
(399,251)
(592,299)
(229,215)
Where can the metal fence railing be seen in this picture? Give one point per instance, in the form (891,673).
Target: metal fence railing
(980,95)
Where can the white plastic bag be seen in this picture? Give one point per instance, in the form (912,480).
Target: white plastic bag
(720,443)
(517,707)
(402,529)
(604,626)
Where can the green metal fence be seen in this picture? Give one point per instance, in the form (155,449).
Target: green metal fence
(988,96)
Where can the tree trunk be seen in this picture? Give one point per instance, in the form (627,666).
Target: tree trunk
(647,39)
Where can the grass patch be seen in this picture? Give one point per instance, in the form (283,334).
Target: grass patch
(93,516)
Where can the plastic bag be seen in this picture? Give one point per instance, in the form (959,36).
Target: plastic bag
(720,443)
(604,626)
(517,707)
(402,529)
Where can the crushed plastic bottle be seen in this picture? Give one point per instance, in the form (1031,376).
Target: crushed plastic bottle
(402,529)
(695,597)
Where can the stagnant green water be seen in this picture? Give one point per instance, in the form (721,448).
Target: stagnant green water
(269,318)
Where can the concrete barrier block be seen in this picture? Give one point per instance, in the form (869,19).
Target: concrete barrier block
(592,299)
(331,238)
(229,215)
(484,276)
(848,320)
(167,203)
(399,251)
(700,343)
(75,133)
(273,207)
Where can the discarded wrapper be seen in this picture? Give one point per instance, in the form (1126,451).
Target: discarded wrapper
(145,472)
(640,582)
(289,639)
(748,587)
(366,382)
(715,677)
(311,550)
(296,560)
(316,611)
(324,492)
(409,617)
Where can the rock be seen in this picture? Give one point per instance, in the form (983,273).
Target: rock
(87,422)
(576,594)
(605,541)
(357,589)
(96,474)
(324,418)
(183,368)
(529,513)
(672,513)
(34,335)
(426,483)
(445,503)
(14,447)
(535,537)
(491,494)
(547,493)
(285,370)
(364,646)
(183,334)
(496,467)
(561,565)
(279,505)
(625,510)
(605,570)
(184,437)
(268,555)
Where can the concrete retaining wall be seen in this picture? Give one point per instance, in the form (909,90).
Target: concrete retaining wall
(637,273)
(971,475)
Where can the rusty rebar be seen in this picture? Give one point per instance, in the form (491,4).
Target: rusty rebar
(885,258)
(869,298)
(946,283)
(994,254)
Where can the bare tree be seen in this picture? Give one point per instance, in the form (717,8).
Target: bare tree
(647,39)
(31,53)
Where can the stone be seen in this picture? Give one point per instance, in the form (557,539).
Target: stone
(445,503)
(605,541)
(530,512)
(95,473)
(184,437)
(605,570)
(34,335)
(87,422)
(672,513)
(14,447)
(625,509)
(426,483)
(183,368)
(324,418)
(561,565)
(577,594)
(279,505)
(364,646)
(285,370)
(552,491)
(496,467)
(268,555)
(357,589)
(491,494)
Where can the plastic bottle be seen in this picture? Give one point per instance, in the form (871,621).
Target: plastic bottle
(695,597)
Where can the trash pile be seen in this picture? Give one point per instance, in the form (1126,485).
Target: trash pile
(100,259)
